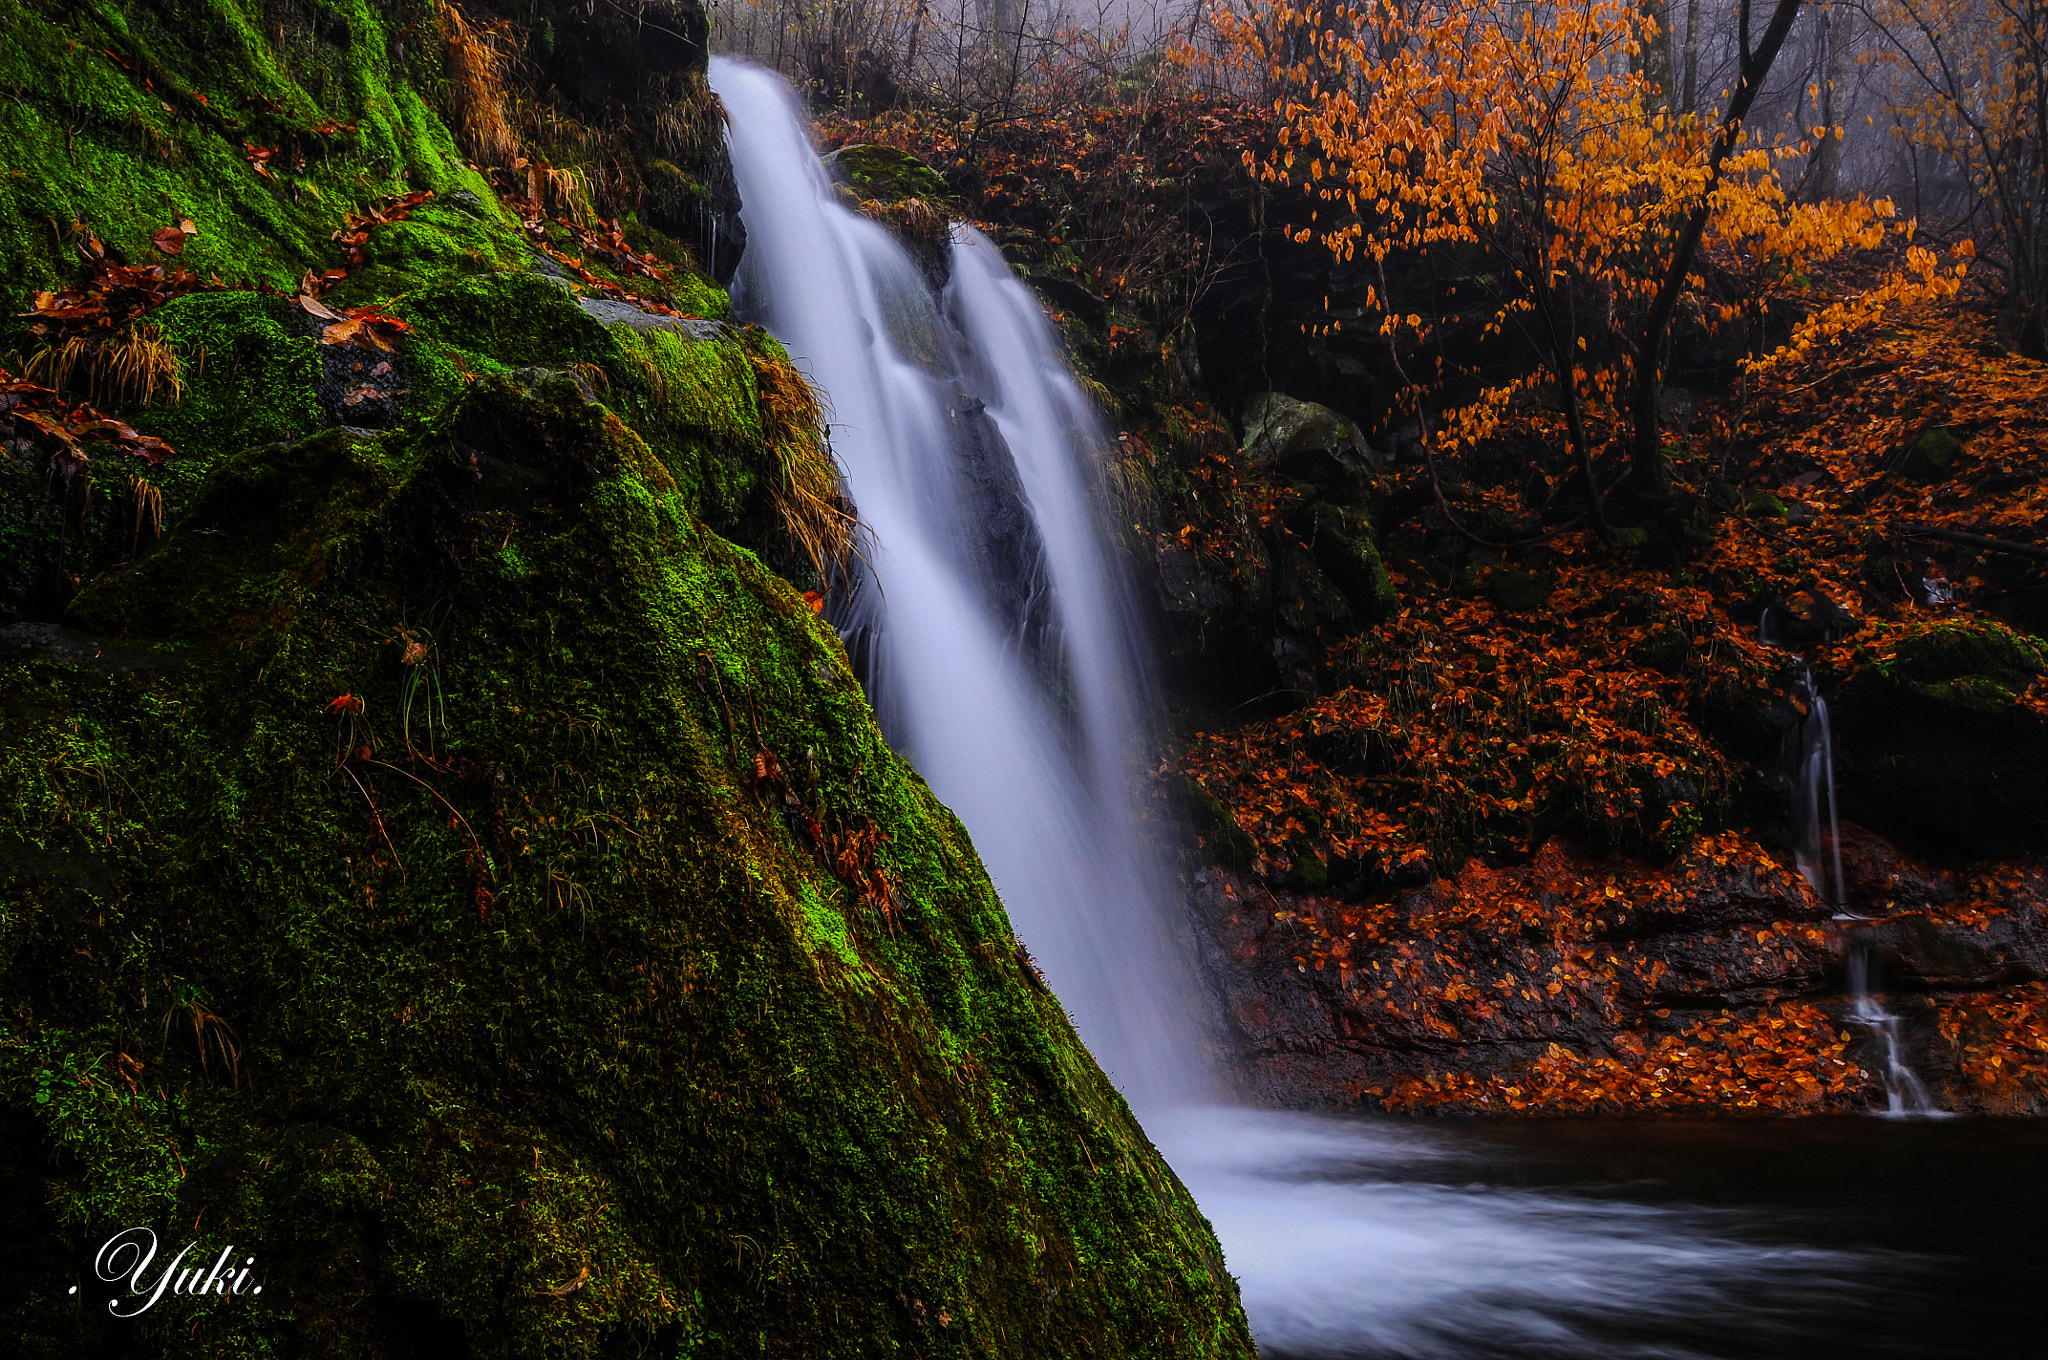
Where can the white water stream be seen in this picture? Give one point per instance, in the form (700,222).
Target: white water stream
(1001,650)
(1809,760)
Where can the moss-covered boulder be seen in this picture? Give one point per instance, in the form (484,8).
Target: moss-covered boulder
(887,175)
(451,874)
(1942,739)
(1307,441)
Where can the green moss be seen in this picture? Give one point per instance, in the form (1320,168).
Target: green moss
(884,173)
(1945,756)
(1980,648)
(438,241)
(514,319)
(699,296)
(247,381)
(695,398)
(93,143)
(537,990)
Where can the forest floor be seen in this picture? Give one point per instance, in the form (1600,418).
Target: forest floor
(1534,853)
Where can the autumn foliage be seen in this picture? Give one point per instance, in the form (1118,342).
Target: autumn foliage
(1532,138)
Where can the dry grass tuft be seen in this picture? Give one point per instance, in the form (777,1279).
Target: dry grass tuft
(477,57)
(815,514)
(145,512)
(923,225)
(138,366)
(690,127)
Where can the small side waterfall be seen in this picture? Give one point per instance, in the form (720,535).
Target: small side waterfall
(1903,1090)
(1809,755)
(1809,758)
(1817,824)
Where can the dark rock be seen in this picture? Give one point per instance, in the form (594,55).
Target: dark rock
(1414,874)
(1805,619)
(1675,409)
(1340,540)
(1881,879)
(1067,295)
(1936,750)
(1307,441)
(1923,952)
(612,312)
(49,642)
(1518,590)
(1931,454)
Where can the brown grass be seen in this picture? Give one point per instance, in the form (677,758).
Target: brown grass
(138,365)
(146,511)
(477,58)
(690,127)
(921,224)
(808,499)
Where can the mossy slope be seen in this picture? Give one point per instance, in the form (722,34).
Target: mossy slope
(518,1014)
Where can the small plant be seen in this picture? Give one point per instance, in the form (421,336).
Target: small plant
(132,367)
(476,88)
(211,1036)
(808,498)
(146,511)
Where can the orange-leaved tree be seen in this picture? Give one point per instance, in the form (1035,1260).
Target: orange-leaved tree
(1528,133)
(1977,94)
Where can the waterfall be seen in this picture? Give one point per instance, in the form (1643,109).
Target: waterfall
(1903,1091)
(996,640)
(996,635)
(1809,756)
(1817,826)
(1809,760)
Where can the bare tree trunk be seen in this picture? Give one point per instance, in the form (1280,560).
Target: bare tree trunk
(1837,22)
(1690,97)
(1564,362)
(1652,474)
(1656,57)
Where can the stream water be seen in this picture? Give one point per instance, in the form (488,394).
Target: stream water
(1809,761)
(996,637)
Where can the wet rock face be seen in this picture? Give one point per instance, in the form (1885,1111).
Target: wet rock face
(1483,971)
(1939,748)
(1307,441)
(1577,984)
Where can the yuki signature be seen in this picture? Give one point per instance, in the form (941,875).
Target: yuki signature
(128,1255)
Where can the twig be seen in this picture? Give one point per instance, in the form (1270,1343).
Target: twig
(378,818)
(475,844)
(2004,545)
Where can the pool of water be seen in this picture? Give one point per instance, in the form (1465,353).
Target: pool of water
(1746,1240)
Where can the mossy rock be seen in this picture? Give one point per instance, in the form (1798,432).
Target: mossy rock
(888,175)
(1936,748)
(1517,589)
(1340,540)
(1307,441)
(121,119)
(250,370)
(1931,454)
(512,1009)
(1758,503)
(438,241)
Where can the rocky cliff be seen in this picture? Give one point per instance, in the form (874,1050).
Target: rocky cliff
(445,855)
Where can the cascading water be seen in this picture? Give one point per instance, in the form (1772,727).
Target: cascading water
(997,639)
(956,639)
(1903,1090)
(1809,758)
(1816,823)
(1817,850)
